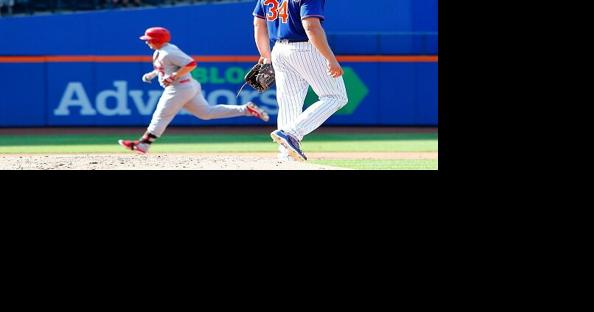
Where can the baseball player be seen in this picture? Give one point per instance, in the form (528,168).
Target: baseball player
(172,66)
(301,57)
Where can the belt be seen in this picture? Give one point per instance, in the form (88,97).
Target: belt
(290,41)
(185,80)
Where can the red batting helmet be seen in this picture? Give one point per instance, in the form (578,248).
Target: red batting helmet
(157,35)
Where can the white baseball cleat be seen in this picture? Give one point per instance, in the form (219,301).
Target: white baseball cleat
(257,111)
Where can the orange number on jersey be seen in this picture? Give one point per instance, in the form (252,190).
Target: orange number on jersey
(274,11)
(284,12)
(273,14)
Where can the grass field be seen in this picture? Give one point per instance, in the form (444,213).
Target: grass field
(245,143)
(382,164)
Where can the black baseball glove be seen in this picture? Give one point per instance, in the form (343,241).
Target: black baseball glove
(260,77)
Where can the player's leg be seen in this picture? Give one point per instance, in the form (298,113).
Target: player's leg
(291,91)
(311,65)
(199,107)
(171,102)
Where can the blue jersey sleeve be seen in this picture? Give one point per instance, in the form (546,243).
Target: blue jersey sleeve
(312,8)
(259,10)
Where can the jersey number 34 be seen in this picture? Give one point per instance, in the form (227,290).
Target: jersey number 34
(275,11)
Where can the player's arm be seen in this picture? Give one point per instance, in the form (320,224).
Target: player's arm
(150,76)
(182,71)
(186,69)
(262,39)
(317,37)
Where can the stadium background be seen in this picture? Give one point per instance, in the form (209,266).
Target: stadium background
(84,68)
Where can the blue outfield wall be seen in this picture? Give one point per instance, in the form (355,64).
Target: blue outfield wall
(108,94)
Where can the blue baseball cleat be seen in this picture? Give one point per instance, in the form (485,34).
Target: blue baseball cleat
(290,143)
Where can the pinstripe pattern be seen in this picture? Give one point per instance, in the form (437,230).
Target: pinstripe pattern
(297,66)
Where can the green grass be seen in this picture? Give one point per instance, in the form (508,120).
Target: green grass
(230,143)
(381,164)
(220,143)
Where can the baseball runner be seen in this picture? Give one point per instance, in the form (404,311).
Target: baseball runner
(301,57)
(172,67)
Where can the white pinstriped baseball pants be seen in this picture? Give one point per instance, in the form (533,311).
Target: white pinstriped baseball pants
(297,66)
(190,97)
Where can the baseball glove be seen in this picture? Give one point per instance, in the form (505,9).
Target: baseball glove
(260,77)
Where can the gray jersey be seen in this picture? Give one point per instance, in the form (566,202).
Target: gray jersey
(169,59)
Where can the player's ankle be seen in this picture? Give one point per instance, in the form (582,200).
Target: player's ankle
(143,146)
(148,138)
(293,133)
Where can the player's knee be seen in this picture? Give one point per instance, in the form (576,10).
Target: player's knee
(342,101)
(339,101)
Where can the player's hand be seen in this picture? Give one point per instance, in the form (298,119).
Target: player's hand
(169,79)
(148,78)
(264,60)
(334,69)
